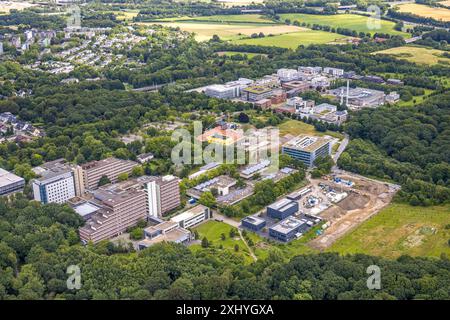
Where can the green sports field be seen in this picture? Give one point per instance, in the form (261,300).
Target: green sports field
(400,229)
(350,21)
(294,39)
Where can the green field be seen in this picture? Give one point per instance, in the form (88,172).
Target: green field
(233,53)
(296,127)
(349,21)
(419,55)
(294,39)
(212,230)
(400,229)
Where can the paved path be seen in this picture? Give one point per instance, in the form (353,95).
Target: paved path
(341,149)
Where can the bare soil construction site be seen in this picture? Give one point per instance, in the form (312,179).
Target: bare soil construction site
(366,197)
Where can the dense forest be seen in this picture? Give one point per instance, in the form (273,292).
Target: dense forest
(34,267)
(408,145)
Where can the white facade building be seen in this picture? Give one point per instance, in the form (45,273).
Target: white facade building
(286,75)
(54,188)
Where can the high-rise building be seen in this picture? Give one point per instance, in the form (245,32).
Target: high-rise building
(163,194)
(307,148)
(58,182)
(111,210)
(9,182)
(56,185)
(111,167)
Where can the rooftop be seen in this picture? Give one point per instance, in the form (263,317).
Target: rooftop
(200,209)
(7,178)
(287,225)
(306,143)
(282,205)
(257,89)
(85,209)
(253,220)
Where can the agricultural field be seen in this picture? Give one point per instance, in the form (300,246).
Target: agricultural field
(7,6)
(126,15)
(349,21)
(419,55)
(426,11)
(296,127)
(400,229)
(205,31)
(293,40)
(232,18)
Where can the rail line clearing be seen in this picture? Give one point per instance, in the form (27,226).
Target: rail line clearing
(366,197)
(425,11)
(419,55)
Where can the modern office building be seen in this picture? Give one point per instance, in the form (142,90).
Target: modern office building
(253,223)
(357,98)
(286,75)
(193,216)
(120,206)
(307,148)
(10,183)
(256,93)
(163,194)
(288,229)
(336,72)
(222,91)
(282,209)
(111,167)
(58,182)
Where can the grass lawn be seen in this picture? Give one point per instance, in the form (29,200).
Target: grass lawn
(419,55)
(426,11)
(296,127)
(293,40)
(212,230)
(400,229)
(415,100)
(350,21)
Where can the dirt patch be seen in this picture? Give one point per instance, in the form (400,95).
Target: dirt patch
(365,199)
(354,201)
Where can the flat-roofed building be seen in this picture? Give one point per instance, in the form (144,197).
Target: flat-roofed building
(222,91)
(9,182)
(282,209)
(297,85)
(287,74)
(307,148)
(253,223)
(336,72)
(288,229)
(56,184)
(193,216)
(359,97)
(166,231)
(110,167)
(121,206)
(256,93)
(163,194)
(251,170)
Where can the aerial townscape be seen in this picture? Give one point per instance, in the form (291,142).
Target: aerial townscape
(224,150)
